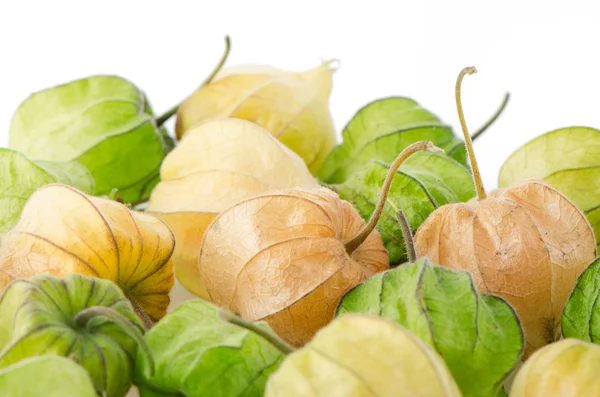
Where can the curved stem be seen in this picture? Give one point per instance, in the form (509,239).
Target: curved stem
(493,119)
(370,226)
(260,331)
(129,327)
(171,112)
(409,242)
(476,174)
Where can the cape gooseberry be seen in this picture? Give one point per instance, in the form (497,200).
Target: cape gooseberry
(527,243)
(287,257)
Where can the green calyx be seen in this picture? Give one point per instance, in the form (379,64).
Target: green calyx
(199,351)
(85,319)
(478,336)
(21,176)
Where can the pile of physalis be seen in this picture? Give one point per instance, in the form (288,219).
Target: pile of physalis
(249,254)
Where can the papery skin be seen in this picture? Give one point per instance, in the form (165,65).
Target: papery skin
(63,231)
(217,164)
(359,355)
(292,106)
(568,368)
(527,243)
(280,257)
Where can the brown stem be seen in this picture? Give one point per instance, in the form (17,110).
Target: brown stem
(171,112)
(260,331)
(476,174)
(409,242)
(140,313)
(370,226)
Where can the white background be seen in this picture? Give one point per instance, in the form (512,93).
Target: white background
(546,53)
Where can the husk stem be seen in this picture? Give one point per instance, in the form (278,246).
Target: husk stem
(481,195)
(129,327)
(407,234)
(260,331)
(171,112)
(360,238)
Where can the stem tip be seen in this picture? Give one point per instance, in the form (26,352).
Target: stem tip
(430,147)
(470,70)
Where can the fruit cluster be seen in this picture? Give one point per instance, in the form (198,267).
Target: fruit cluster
(300,252)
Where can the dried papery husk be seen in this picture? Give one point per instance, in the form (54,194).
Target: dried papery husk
(527,243)
(293,106)
(217,164)
(63,231)
(289,256)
